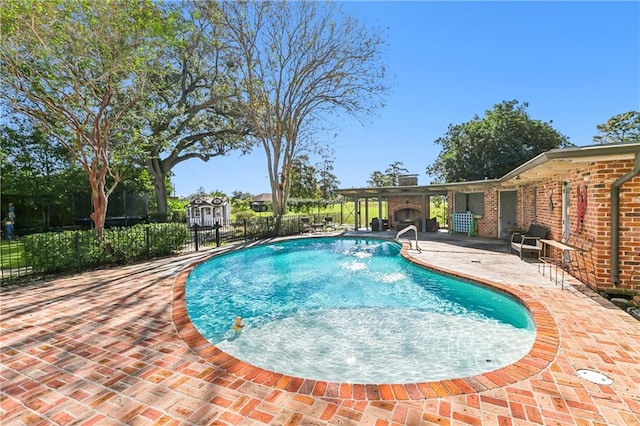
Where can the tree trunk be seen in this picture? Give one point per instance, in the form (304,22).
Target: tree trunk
(155,169)
(99,200)
(278,206)
(160,187)
(280,199)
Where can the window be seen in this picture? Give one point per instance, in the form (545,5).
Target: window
(469,202)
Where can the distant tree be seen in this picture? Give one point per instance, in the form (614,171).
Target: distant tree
(389,177)
(378,179)
(303,178)
(327,181)
(299,62)
(76,68)
(38,176)
(240,201)
(239,195)
(623,127)
(200,192)
(491,146)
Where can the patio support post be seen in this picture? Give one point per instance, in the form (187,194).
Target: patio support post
(356,215)
(424,213)
(366,212)
(615,220)
(379,214)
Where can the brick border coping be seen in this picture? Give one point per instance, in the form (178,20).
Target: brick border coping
(543,351)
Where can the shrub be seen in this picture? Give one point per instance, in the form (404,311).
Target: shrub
(245,214)
(60,251)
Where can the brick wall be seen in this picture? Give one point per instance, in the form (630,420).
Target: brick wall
(527,208)
(487,225)
(598,222)
(597,178)
(406,202)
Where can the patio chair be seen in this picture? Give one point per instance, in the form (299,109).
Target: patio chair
(528,241)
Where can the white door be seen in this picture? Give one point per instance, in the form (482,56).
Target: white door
(566,204)
(508,205)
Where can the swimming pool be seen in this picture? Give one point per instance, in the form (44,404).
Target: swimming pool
(353,310)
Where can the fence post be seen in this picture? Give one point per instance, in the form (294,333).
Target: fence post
(244,224)
(195,234)
(77,235)
(217,227)
(147,241)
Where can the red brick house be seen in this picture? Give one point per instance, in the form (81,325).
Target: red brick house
(592,192)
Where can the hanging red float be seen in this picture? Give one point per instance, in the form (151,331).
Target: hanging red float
(582,207)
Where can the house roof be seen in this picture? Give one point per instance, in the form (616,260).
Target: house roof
(557,161)
(207,201)
(265,197)
(544,166)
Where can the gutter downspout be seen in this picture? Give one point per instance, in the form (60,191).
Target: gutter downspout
(615,220)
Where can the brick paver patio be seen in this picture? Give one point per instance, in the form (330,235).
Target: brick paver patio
(102,348)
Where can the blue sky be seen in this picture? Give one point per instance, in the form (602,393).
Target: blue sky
(576,63)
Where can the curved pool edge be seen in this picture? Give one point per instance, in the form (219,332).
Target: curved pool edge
(541,354)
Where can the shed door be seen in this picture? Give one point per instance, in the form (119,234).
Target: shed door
(508,216)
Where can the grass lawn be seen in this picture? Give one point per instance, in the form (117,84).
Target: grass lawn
(11,254)
(345,213)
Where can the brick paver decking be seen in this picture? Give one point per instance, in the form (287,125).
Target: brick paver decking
(114,346)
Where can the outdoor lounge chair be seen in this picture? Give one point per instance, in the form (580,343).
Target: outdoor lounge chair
(529,241)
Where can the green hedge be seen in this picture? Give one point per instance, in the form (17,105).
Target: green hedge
(73,250)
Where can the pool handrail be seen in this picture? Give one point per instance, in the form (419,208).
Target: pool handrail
(407,229)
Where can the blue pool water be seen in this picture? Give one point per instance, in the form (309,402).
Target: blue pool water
(353,310)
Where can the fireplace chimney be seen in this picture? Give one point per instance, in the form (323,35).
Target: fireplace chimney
(408,180)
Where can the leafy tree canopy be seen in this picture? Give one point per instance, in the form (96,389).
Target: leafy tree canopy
(192,104)
(38,176)
(491,146)
(304,183)
(623,127)
(75,69)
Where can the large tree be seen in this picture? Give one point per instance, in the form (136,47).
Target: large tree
(193,110)
(623,127)
(75,68)
(299,62)
(491,146)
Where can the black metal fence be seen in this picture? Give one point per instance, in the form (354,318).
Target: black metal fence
(52,253)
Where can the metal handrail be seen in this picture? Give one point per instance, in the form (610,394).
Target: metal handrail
(407,229)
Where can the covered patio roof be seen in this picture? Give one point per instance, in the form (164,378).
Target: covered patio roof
(546,165)
(393,191)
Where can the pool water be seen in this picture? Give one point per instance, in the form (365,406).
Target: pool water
(353,310)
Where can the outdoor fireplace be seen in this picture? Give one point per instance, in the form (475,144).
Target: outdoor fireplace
(407,216)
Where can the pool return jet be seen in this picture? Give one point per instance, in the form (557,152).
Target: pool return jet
(407,229)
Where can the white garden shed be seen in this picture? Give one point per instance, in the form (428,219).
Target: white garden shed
(207,211)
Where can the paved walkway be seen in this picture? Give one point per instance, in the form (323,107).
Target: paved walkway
(102,348)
